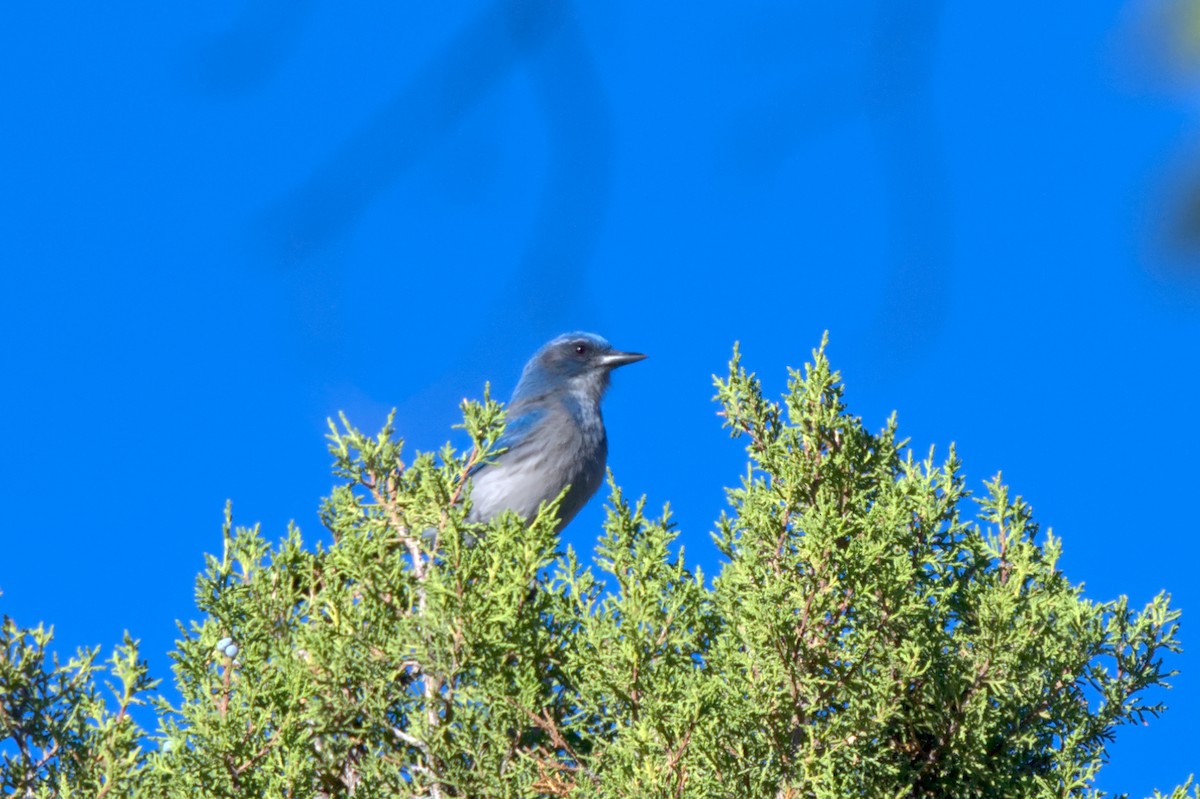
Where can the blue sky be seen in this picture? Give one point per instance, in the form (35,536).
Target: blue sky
(222,224)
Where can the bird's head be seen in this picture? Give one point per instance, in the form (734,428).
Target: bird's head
(577,362)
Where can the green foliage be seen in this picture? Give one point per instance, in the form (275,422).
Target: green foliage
(1186,791)
(62,737)
(873,631)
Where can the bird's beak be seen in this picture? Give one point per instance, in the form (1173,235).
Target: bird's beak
(614,359)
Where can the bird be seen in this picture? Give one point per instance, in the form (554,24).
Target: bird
(555,437)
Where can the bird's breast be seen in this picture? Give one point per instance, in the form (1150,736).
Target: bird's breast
(566,448)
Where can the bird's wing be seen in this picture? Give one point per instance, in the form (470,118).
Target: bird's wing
(516,433)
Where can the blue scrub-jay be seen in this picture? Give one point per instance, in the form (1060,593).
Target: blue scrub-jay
(555,434)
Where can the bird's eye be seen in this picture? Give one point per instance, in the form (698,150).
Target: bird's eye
(581,349)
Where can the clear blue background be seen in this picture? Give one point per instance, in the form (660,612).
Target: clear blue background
(221,224)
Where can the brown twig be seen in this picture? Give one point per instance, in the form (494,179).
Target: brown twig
(223,699)
(675,755)
(257,756)
(546,724)
(462,478)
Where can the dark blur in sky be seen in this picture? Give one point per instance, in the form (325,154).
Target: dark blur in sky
(222,224)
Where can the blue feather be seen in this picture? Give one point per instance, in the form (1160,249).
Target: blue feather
(555,439)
